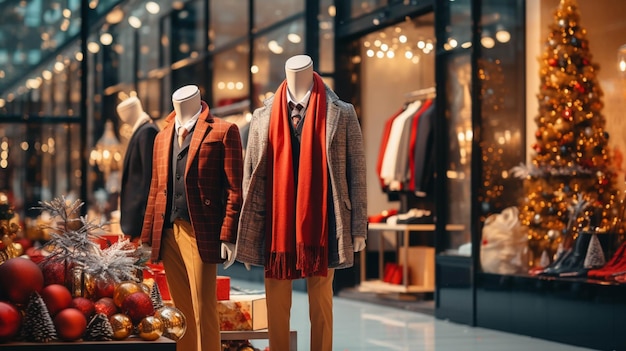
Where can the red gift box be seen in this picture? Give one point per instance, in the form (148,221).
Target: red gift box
(223,288)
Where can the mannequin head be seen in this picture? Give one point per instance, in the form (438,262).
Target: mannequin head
(187,102)
(299,74)
(130,110)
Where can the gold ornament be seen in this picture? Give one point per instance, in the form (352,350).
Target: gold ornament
(150,328)
(174,323)
(82,284)
(124,289)
(122,326)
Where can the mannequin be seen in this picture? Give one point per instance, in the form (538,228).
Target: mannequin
(304,189)
(193,210)
(137,165)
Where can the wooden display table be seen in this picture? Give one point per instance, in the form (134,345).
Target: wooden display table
(259,334)
(130,344)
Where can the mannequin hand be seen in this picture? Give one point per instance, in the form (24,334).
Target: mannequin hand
(359,243)
(145,251)
(227,254)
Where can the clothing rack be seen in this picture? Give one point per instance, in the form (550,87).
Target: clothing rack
(421,93)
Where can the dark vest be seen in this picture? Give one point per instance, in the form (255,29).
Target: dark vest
(177,197)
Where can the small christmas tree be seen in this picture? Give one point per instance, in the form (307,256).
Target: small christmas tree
(155,295)
(99,328)
(571,154)
(37,325)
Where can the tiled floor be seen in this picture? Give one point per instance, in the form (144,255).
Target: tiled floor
(372,327)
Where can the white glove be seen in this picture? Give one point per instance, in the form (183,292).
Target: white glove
(359,243)
(227,254)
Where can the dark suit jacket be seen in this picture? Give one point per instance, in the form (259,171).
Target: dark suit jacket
(213,177)
(136,179)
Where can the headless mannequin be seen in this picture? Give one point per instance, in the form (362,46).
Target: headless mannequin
(131,112)
(299,75)
(137,166)
(186,101)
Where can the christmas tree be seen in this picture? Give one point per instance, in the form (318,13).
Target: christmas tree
(38,325)
(571,159)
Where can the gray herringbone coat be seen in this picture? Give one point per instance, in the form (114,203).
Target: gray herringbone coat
(346,166)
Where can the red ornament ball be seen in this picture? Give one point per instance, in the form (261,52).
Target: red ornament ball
(57,297)
(53,272)
(105,287)
(83,304)
(137,306)
(70,324)
(19,278)
(106,306)
(10,321)
(123,289)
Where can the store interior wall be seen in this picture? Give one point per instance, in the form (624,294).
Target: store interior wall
(384,85)
(606,32)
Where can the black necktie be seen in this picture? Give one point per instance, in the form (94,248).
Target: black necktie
(295,113)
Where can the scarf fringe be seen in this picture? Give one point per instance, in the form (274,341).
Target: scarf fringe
(309,261)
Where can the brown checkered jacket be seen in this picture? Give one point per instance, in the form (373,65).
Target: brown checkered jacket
(213,177)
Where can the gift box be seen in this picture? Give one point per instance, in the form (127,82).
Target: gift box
(223,288)
(243,312)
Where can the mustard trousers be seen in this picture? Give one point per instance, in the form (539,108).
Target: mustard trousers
(278,298)
(192,285)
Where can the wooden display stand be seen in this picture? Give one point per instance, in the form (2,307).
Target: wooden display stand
(421,260)
(130,344)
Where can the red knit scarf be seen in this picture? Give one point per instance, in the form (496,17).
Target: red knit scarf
(297,226)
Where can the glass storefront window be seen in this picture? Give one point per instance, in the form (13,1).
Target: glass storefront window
(230,77)
(265,15)
(362,7)
(270,53)
(188,36)
(327,36)
(229,22)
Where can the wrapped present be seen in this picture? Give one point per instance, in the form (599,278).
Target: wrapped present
(243,312)
(223,288)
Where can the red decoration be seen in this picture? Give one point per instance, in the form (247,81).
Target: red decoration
(57,297)
(19,278)
(10,321)
(137,306)
(579,87)
(223,288)
(104,288)
(124,289)
(53,272)
(70,324)
(552,62)
(83,304)
(106,306)
(34,254)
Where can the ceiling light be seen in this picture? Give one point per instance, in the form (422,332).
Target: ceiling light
(294,38)
(503,36)
(153,7)
(487,42)
(134,22)
(115,16)
(93,47)
(106,38)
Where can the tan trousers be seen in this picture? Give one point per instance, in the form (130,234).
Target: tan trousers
(278,298)
(192,285)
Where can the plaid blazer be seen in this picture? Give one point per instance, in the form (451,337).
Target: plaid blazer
(213,177)
(346,168)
